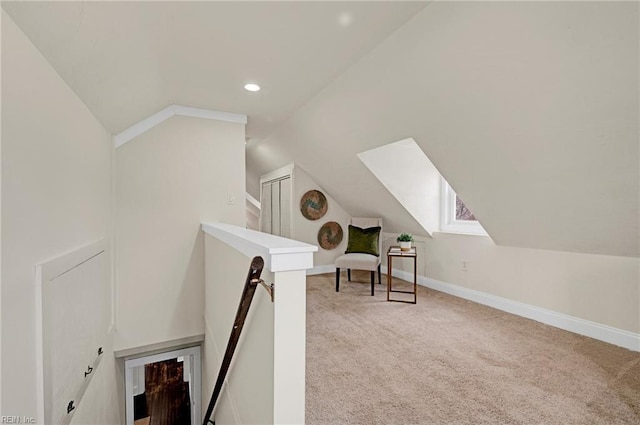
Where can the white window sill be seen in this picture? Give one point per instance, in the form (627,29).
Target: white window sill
(461,232)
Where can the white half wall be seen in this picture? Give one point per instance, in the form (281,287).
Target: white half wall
(56,196)
(248,393)
(168,180)
(266,380)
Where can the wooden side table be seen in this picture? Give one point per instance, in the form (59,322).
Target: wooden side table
(395,252)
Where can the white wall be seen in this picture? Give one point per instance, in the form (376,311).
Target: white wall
(253,183)
(598,288)
(248,394)
(99,404)
(56,196)
(305,230)
(169,180)
(1,339)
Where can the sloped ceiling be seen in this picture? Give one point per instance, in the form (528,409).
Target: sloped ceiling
(529,110)
(129,60)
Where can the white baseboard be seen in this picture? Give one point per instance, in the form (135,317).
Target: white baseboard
(594,330)
(328,268)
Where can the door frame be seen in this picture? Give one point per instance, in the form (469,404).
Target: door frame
(192,354)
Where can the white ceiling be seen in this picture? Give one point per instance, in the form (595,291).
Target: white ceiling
(129,60)
(530,110)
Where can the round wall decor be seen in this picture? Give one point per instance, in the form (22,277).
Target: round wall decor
(330,235)
(313,205)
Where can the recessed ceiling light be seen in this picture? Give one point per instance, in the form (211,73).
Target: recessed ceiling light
(345,19)
(251,87)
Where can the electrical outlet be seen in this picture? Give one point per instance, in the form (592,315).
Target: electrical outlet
(465,265)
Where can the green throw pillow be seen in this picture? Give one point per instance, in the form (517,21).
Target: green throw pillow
(363,241)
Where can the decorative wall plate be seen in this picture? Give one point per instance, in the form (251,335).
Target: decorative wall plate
(313,205)
(330,235)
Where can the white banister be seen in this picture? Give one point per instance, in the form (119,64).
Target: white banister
(253,201)
(279,254)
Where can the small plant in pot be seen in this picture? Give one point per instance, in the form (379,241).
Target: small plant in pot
(405,240)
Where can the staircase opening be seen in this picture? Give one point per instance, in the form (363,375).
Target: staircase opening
(164,388)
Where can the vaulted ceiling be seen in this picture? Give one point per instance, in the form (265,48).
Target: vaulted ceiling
(129,60)
(529,109)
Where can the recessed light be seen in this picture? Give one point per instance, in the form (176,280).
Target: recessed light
(345,19)
(251,87)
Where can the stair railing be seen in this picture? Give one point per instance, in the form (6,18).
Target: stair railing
(252,281)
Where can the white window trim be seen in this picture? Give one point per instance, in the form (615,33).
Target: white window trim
(448,222)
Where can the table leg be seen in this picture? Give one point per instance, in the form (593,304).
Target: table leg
(415,279)
(389,266)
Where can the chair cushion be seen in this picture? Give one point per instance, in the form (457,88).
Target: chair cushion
(363,241)
(358,262)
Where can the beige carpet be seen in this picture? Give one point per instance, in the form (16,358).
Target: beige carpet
(451,361)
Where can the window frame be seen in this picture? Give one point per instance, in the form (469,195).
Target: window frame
(448,221)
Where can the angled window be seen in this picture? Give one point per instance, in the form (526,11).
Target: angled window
(462,212)
(455,217)
(408,174)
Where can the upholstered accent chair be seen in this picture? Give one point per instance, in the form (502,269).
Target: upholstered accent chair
(363,249)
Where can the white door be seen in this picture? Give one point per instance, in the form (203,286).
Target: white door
(285,208)
(265,208)
(275,203)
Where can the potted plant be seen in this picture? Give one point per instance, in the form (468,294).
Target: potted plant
(405,240)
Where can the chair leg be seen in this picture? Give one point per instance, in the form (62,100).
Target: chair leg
(373,280)
(379,276)
(337,279)
(349,275)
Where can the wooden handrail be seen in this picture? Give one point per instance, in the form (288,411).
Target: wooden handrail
(250,285)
